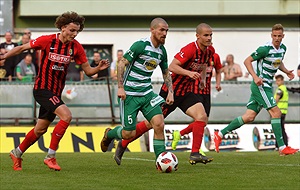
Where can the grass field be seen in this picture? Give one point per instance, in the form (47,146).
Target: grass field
(229,170)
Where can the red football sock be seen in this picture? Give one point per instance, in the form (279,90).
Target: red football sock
(198,130)
(187,130)
(58,133)
(29,140)
(141,128)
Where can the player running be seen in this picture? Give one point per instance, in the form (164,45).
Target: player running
(268,60)
(57,50)
(135,89)
(188,68)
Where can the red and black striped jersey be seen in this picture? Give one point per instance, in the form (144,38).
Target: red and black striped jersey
(214,62)
(192,58)
(55,60)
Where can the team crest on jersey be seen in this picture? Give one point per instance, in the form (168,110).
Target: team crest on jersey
(150,64)
(71,52)
(276,63)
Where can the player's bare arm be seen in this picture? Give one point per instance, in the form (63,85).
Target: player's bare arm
(218,80)
(16,51)
(88,70)
(203,76)
(168,81)
(248,64)
(289,73)
(175,67)
(120,75)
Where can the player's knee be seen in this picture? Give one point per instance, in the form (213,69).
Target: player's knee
(248,118)
(201,117)
(128,134)
(67,117)
(159,128)
(40,132)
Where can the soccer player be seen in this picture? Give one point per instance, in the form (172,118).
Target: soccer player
(188,76)
(135,89)
(268,59)
(57,52)
(203,94)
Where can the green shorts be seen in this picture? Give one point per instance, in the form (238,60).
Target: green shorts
(149,105)
(261,97)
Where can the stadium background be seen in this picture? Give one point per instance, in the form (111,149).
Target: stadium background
(239,27)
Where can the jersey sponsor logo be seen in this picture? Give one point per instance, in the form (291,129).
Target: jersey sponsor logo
(157,100)
(150,65)
(59,58)
(197,67)
(276,63)
(58,68)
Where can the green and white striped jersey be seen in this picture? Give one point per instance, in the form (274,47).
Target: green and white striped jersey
(143,58)
(268,60)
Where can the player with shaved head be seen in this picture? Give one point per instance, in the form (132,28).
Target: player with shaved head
(135,90)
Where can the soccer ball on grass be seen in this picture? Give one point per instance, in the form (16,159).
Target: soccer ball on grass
(166,162)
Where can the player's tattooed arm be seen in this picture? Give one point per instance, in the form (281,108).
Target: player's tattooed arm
(168,79)
(120,72)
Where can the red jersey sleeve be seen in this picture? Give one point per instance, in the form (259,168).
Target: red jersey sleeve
(185,54)
(79,56)
(217,60)
(40,42)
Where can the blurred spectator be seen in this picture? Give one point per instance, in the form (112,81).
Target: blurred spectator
(2,70)
(298,71)
(32,52)
(75,72)
(231,70)
(25,70)
(114,65)
(101,75)
(27,32)
(10,63)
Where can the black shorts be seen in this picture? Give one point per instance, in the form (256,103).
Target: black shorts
(182,102)
(48,102)
(205,100)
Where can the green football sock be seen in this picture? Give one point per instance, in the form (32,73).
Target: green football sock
(276,126)
(159,146)
(235,124)
(115,133)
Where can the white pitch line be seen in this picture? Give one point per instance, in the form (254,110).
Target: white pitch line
(258,164)
(141,159)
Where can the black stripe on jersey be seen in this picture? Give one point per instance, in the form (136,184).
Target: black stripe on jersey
(55,77)
(43,83)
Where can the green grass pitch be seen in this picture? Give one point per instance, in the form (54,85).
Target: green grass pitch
(229,170)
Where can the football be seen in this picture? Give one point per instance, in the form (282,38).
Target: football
(167,162)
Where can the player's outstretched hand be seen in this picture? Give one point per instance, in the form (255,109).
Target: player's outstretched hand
(290,74)
(104,63)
